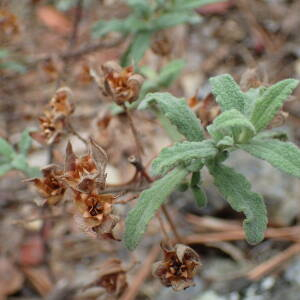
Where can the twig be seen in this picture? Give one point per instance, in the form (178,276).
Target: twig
(74,132)
(139,148)
(170,221)
(141,275)
(274,262)
(163,229)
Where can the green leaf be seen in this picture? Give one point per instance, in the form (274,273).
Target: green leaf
(182,154)
(19,162)
(273,134)
(234,124)
(179,114)
(137,48)
(25,142)
(282,155)
(149,202)
(191,4)
(33,172)
(3,53)
(225,142)
(170,72)
(13,66)
(270,102)
(6,149)
(198,192)
(228,94)
(102,28)
(5,168)
(237,191)
(172,19)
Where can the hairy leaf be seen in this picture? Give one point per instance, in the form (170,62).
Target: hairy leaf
(148,203)
(182,153)
(137,48)
(228,93)
(282,155)
(198,192)
(102,28)
(5,168)
(6,149)
(25,142)
(191,4)
(179,114)
(237,191)
(273,134)
(234,124)
(270,102)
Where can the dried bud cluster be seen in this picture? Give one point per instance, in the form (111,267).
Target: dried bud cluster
(207,109)
(50,187)
(112,277)
(120,85)
(8,24)
(178,267)
(86,177)
(54,121)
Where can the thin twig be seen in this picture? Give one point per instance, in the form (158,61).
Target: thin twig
(141,275)
(172,225)
(163,229)
(274,262)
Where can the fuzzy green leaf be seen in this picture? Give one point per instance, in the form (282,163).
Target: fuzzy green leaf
(178,112)
(198,192)
(191,4)
(5,168)
(270,102)
(6,149)
(273,134)
(102,28)
(234,124)
(182,154)
(137,49)
(148,203)
(228,93)
(19,162)
(282,155)
(237,191)
(25,142)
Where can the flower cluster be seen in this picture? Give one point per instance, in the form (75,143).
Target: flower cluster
(178,267)
(54,120)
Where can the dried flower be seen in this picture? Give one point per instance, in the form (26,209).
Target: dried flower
(178,267)
(96,216)
(112,277)
(8,23)
(87,173)
(54,121)
(207,109)
(120,85)
(50,187)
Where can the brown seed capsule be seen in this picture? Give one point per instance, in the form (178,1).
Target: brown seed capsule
(53,123)
(112,277)
(120,85)
(179,266)
(50,187)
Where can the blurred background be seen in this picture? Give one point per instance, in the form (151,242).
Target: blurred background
(46,44)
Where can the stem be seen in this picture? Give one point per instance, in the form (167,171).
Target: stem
(163,229)
(170,221)
(139,148)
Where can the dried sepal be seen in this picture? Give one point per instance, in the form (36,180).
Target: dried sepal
(50,187)
(179,266)
(86,174)
(120,85)
(112,277)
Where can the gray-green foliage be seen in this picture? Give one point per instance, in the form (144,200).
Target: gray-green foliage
(149,202)
(11,159)
(147,18)
(244,115)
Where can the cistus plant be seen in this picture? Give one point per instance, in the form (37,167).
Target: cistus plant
(243,124)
